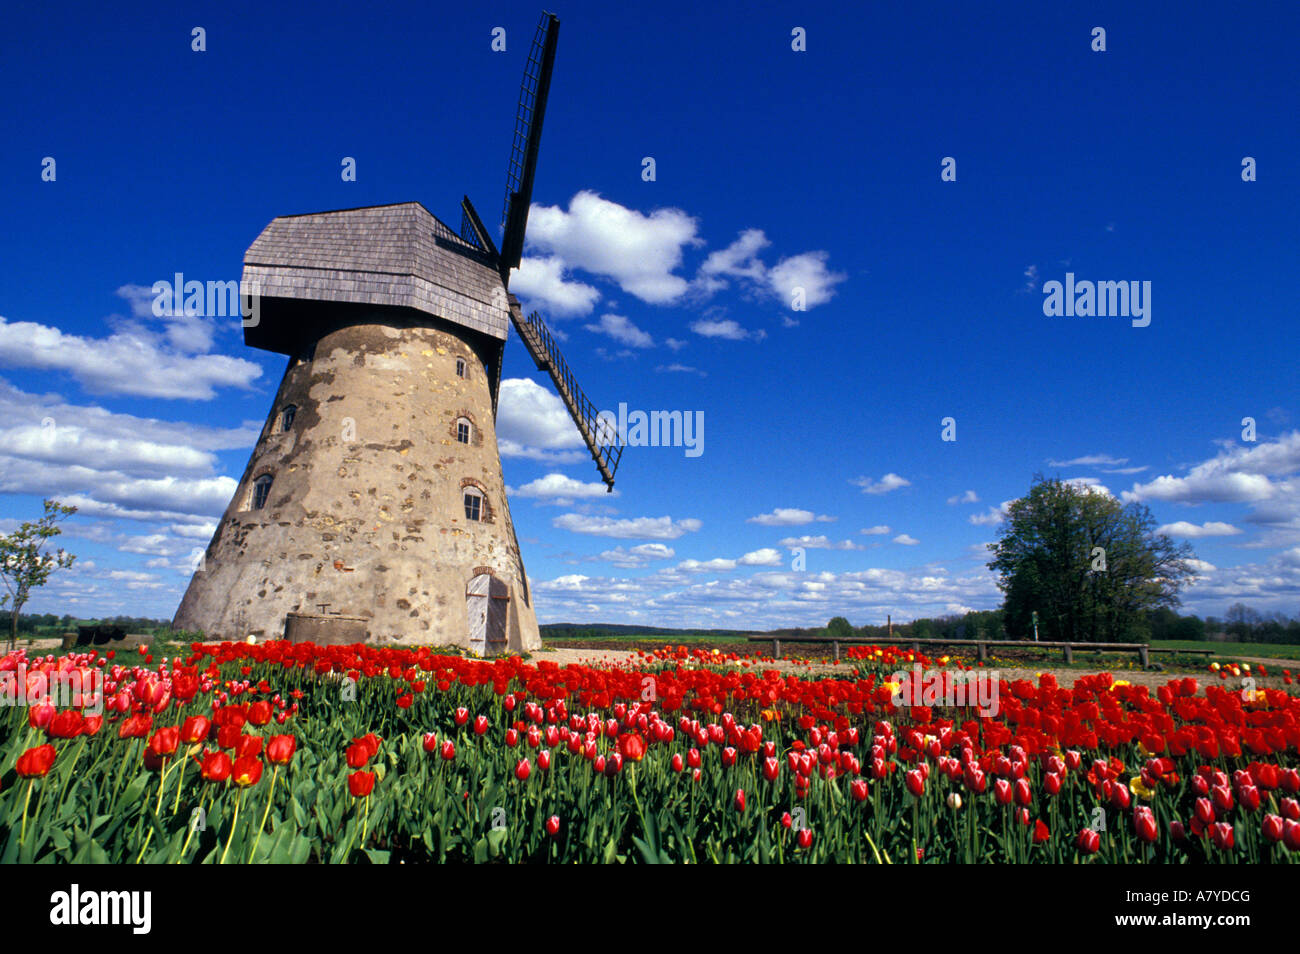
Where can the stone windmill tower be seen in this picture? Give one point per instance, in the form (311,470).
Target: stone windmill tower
(373,506)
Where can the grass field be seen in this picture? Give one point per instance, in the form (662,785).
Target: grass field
(1234,650)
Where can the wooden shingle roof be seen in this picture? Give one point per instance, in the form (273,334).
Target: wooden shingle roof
(396,255)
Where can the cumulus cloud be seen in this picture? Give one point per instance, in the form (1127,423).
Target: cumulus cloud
(762,557)
(542,282)
(638,252)
(637,556)
(884,485)
(725,328)
(560,488)
(789,517)
(533,423)
(621,330)
(968,497)
(818,543)
(806,272)
(1212,528)
(1239,474)
(906,540)
(645,528)
(133,360)
(879,530)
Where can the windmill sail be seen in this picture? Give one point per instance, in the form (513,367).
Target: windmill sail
(601,438)
(527,141)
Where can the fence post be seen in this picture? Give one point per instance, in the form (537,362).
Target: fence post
(1069,654)
(1144,656)
(836,644)
(776,649)
(983,651)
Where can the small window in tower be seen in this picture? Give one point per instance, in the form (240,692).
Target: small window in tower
(286,417)
(464,431)
(460,367)
(261,490)
(473,504)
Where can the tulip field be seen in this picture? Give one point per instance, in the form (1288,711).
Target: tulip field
(275,752)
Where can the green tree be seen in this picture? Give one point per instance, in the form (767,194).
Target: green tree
(839,628)
(1091,567)
(25,563)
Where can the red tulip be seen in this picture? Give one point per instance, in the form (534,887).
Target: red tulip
(739,800)
(804,837)
(135,727)
(1223,836)
(553,826)
(1222,798)
(677,763)
(480,725)
(522,769)
(66,724)
(544,759)
(247,770)
(462,715)
(448,750)
(1089,841)
(915,782)
(1144,823)
(248,747)
(631,747)
(693,758)
(165,741)
(512,736)
(1204,810)
(1291,834)
(1002,791)
(1022,792)
(430,742)
(361,784)
(1052,783)
(1273,827)
(279,751)
(259,713)
(859,790)
(771,769)
(195,729)
(358,754)
(217,766)
(35,762)
(1249,796)
(1041,833)
(728,756)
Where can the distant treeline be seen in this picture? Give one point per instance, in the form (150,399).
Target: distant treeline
(48,624)
(608,630)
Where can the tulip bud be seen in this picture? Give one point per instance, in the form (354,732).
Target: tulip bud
(954,801)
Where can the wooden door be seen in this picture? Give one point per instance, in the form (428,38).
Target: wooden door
(476,601)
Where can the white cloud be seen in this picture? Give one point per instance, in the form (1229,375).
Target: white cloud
(877,531)
(562,487)
(739,260)
(968,497)
(993,516)
(706,566)
(638,252)
(532,422)
(541,282)
(762,557)
(1236,475)
(1181,528)
(906,540)
(638,555)
(645,528)
(818,543)
(132,360)
(726,329)
(622,330)
(789,517)
(890,481)
(680,369)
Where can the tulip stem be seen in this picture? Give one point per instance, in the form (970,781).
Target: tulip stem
(233,825)
(22,834)
(274,775)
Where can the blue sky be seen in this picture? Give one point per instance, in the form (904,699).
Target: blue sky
(775,169)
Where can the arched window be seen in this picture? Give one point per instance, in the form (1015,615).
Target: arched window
(473,503)
(287,416)
(460,367)
(464,430)
(261,490)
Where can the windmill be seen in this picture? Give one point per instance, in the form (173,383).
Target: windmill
(373,506)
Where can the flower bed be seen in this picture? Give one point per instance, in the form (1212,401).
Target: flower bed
(300,753)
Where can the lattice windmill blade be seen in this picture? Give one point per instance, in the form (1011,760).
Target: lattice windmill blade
(527,141)
(600,437)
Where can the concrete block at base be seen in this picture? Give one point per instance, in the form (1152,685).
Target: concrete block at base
(326,630)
